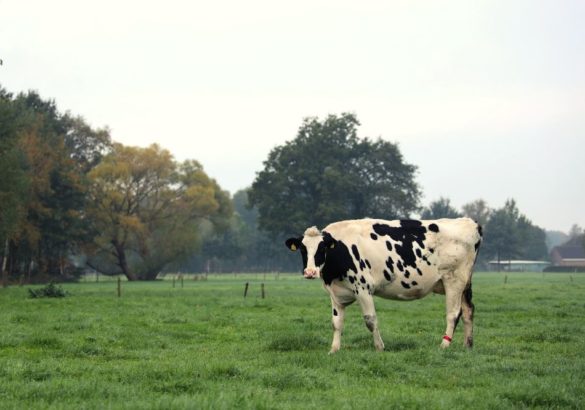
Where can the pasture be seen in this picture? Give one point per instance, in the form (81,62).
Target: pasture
(205,346)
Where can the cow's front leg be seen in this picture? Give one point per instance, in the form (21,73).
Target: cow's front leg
(338,312)
(369,312)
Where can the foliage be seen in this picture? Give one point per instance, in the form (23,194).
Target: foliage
(44,184)
(206,346)
(49,291)
(511,235)
(441,208)
(241,247)
(146,209)
(477,210)
(327,173)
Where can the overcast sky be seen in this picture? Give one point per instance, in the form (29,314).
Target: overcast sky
(487,98)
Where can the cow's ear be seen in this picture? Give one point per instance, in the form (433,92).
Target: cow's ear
(329,240)
(293,243)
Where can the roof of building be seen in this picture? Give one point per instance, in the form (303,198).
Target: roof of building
(574,248)
(519,262)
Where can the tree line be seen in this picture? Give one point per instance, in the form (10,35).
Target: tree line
(71,199)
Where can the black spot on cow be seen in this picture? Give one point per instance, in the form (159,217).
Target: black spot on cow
(418,253)
(408,233)
(413,283)
(368,264)
(362,279)
(362,265)
(431,250)
(407,274)
(387,276)
(418,271)
(334,312)
(351,279)
(338,261)
(388,245)
(356,253)
(373,236)
(405,285)
(390,264)
(433,228)
(399,266)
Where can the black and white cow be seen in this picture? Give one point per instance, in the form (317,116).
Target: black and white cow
(403,260)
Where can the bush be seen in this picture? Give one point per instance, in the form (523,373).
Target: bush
(49,291)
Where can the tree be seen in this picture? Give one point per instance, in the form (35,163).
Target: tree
(327,173)
(477,210)
(441,208)
(147,210)
(501,239)
(510,235)
(56,197)
(13,179)
(575,231)
(532,240)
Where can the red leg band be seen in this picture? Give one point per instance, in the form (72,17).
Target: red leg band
(447,338)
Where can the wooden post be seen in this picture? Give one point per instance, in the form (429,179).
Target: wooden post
(119,287)
(182,281)
(262,291)
(173,281)
(505,279)
(246,289)
(3,267)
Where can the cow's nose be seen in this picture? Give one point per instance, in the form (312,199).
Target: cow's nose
(311,273)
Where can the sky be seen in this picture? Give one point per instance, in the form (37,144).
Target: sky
(486,98)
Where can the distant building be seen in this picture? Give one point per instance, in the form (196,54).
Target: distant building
(518,266)
(570,255)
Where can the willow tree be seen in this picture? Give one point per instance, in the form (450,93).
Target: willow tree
(147,208)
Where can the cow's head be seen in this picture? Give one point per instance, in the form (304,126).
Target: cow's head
(313,246)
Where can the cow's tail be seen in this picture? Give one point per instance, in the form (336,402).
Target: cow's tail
(478,239)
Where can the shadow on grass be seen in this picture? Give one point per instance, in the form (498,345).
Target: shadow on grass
(294,343)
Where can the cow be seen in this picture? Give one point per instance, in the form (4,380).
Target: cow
(401,260)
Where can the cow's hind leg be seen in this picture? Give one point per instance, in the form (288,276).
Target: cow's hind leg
(467,309)
(453,296)
(338,312)
(369,312)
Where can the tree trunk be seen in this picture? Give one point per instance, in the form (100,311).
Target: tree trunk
(121,255)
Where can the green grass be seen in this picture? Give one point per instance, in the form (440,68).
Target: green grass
(205,346)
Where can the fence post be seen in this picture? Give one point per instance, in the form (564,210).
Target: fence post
(119,287)
(173,281)
(246,290)
(262,291)
(181,281)
(505,279)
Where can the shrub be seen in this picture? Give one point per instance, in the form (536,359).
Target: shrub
(49,291)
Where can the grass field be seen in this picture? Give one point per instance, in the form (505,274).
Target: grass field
(205,346)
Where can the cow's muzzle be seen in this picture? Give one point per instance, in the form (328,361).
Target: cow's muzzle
(311,273)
